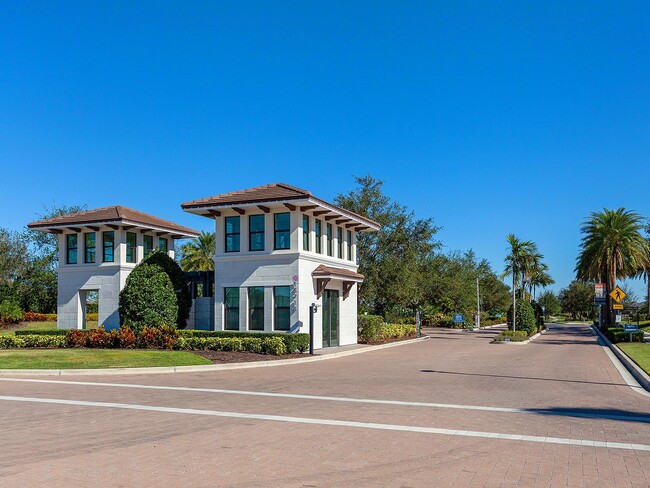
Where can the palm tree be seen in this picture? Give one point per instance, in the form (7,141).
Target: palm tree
(539,277)
(518,263)
(198,255)
(612,248)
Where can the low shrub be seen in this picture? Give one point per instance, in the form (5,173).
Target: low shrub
(34,317)
(123,338)
(10,312)
(294,342)
(99,338)
(268,345)
(13,342)
(618,334)
(526,320)
(163,337)
(50,317)
(384,332)
(55,332)
(368,327)
(74,338)
(92,317)
(274,346)
(513,335)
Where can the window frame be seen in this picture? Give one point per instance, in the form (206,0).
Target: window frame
(233,218)
(251,233)
(277,308)
(349,242)
(305,232)
(69,248)
(277,232)
(328,235)
(166,247)
(146,250)
(132,249)
(92,248)
(339,242)
(318,229)
(111,247)
(252,309)
(229,309)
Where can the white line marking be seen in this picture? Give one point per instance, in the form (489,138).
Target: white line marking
(336,423)
(563,413)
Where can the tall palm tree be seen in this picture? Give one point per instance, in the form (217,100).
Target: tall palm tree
(518,263)
(612,248)
(198,254)
(539,277)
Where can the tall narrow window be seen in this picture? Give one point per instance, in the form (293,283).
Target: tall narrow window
(131,247)
(349,243)
(256,308)
(89,247)
(282,230)
(232,234)
(147,245)
(328,232)
(108,240)
(281,305)
(163,244)
(256,233)
(319,235)
(71,241)
(231,302)
(305,232)
(339,242)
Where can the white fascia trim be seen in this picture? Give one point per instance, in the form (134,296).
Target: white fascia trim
(106,223)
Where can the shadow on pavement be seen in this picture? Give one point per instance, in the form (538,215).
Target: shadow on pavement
(521,377)
(593,413)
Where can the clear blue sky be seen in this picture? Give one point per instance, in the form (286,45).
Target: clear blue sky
(491,117)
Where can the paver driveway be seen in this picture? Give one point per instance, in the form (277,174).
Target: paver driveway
(565,416)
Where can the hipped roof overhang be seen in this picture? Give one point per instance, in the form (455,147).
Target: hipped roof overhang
(256,199)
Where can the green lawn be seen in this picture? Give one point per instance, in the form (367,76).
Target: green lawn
(94,358)
(639,352)
(31,326)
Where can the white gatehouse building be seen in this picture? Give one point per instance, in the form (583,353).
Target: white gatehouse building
(279,249)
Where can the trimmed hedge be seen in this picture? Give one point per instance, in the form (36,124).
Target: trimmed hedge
(271,344)
(372,330)
(525,319)
(618,334)
(292,342)
(13,342)
(513,335)
(56,332)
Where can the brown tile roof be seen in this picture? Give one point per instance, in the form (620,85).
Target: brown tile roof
(115,214)
(266,193)
(323,270)
(276,192)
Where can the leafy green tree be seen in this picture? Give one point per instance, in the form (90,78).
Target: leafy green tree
(612,248)
(394,259)
(550,302)
(197,255)
(578,299)
(526,319)
(182,296)
(148,299)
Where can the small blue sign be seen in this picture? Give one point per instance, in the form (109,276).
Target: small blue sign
(631,328)
(459,318)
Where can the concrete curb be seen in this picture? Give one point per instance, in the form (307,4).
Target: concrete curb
(492,326)
(531,338)
(202,368)
(637,373)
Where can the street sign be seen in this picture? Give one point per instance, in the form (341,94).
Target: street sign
(618,306)
(459,318)
(619,319)
(618,294)
(631,328)
(599,291)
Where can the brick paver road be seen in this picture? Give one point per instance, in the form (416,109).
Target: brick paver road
(555,402)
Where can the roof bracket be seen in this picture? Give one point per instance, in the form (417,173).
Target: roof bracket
(347,286)
(321,283)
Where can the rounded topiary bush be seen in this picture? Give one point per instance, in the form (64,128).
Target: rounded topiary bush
(178,281)
(148,299)
(525,317)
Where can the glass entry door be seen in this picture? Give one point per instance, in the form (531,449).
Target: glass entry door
(330,318)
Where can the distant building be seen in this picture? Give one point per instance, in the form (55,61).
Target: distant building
(97,251)
(280,249)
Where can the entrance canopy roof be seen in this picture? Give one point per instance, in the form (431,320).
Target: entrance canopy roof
(330,272)
(112,217)
(258,198)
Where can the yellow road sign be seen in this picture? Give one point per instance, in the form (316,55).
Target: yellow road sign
(618,306)
(618,295)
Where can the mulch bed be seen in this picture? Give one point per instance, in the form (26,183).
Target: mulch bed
(219,357)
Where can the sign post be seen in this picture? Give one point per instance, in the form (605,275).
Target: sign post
(600,300)
(459,318)
(631,328)
(418,323)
